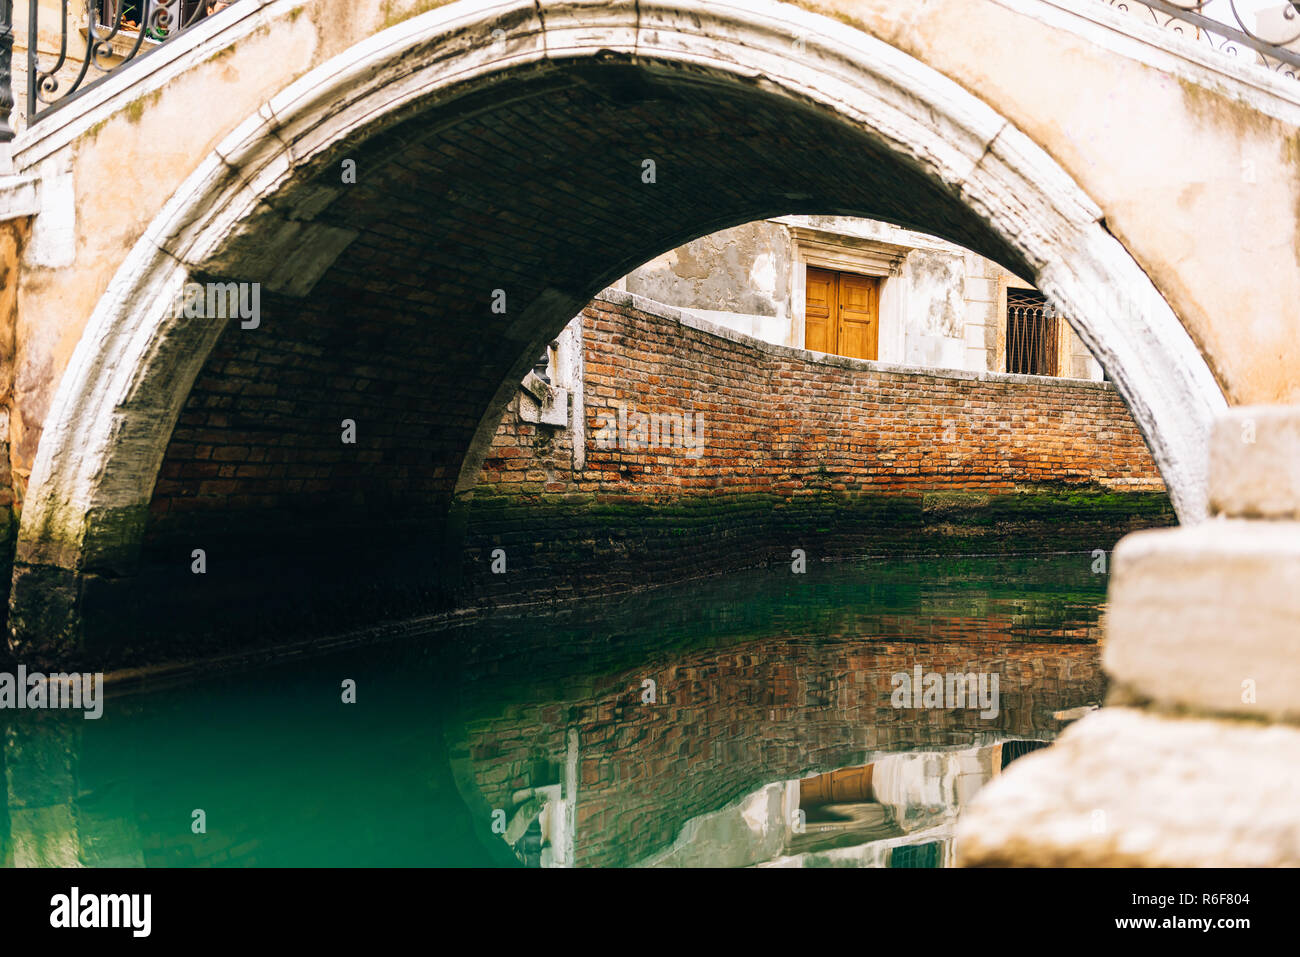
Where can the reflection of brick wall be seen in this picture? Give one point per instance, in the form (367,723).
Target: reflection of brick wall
(831,454)
(728,722)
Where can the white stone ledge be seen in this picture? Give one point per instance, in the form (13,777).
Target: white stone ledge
(18,197)
(1122,788)
(1207,618)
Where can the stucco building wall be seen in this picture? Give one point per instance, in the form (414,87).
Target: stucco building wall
(941,306)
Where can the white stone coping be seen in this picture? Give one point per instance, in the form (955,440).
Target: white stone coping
(684,317)
(1255,462)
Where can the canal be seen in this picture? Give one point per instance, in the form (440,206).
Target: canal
(757,718)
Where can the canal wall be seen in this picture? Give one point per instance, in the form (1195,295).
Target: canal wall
(691,449)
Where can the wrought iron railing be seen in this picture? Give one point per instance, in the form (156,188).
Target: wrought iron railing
(94,37)
(1231,27)
(97,37)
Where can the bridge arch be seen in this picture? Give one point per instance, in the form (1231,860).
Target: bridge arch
(505,142)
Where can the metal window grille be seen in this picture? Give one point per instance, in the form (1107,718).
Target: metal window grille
(160,17)
(1032,340)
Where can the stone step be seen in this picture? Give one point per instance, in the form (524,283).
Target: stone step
(1127,788)
(1207,617)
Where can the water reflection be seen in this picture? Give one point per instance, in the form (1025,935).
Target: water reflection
(737,721)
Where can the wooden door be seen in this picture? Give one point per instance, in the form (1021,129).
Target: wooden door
(842,313)
(859,316)
(820,314)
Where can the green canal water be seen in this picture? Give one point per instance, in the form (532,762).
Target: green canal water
(668,727)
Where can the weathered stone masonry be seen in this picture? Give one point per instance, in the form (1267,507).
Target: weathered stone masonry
(13,234)
(832,455)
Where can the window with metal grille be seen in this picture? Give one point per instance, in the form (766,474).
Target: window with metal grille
(132,12)
(168,14)
(1031,333)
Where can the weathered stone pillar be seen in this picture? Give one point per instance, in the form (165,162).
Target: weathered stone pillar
(1196,759)
(18,203)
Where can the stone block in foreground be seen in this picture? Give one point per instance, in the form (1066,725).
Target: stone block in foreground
(1207,618)
(1123,788)
(1255,462)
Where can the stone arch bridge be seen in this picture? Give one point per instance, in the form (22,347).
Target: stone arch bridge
(422,193)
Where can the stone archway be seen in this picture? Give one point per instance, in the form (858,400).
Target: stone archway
(438,112)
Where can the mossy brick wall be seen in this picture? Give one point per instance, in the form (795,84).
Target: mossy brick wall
(833,456)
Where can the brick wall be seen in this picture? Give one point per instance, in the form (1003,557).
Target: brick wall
(832,455)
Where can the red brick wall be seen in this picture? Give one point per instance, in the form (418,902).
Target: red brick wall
(831,455)
(835,457)
(776,420)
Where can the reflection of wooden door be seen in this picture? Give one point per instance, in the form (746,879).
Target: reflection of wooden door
(842,313)
(845,786)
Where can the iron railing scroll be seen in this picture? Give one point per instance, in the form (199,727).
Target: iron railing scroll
(1233,27)
(96,38)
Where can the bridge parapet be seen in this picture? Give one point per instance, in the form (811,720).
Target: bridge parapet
(70,47)
(1269,37)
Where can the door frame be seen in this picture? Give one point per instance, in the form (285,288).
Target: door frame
(827,250)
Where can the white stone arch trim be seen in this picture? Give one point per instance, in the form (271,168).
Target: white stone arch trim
(133,367)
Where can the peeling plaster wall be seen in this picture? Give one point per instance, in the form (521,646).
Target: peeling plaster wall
(741,278)
(944,308)
(934,310)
